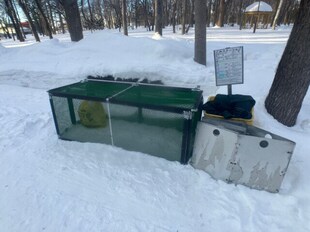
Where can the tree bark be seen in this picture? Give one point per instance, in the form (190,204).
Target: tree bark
(220,21)
(166,13)
(17,18)
(184,13)
(87,22)
(12,16)
(209,12)
(275,20)
(26,12)
(124,16)
(146,15)
(73,20)
(174,15)
(61,23)
(292,78)
(136,13)
(256,17)
(200,32)
(50,11)
(90,15)
(159,17)
(47,25)
(192,16)
(240,14)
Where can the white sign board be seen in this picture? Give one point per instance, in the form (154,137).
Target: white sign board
(229,66)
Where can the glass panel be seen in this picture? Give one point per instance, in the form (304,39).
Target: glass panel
(153,132)
(91,122)
(62,113)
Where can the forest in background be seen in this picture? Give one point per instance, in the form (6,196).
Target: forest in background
(48,17)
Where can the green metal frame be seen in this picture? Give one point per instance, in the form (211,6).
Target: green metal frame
(191,114)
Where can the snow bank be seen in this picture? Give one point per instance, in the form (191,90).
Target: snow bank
(2,49)
(52,185)
(107,52)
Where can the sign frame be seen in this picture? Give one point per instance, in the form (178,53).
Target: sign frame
(228,71)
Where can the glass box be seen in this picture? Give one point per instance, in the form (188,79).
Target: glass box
(153,119)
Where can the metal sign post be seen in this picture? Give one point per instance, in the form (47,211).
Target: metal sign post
(229,67)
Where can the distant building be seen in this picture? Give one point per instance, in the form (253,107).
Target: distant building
(25,26)
(261,12)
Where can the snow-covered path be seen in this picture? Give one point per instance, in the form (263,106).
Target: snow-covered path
(51,185)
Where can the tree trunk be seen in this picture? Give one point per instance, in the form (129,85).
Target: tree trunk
(47,25)
(167,8)
(73,20)
(256,18)
(87,22)
(174,15)
(12,16)
(146,15)
(61,23)
(26,12)
(184,13)
(240,14)
(36,19)
(192,15)
(200,32)
(153,16)
(12,34)
(292,78)
(51,17)
(136,13)
(215,7)
(159,16)
(91,23)
(124,16)
(101,15)
(220,21)
(118,12)
(209,13)
(228,14)
(275,20)
(17,18)
(287,12)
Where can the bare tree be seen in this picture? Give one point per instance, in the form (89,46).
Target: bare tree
(146,14)
(73,19)
(292,78)
(174,7)
(220,21)
(12,15)
(275,20)
(184,13)
(46,23)
(124,16)
(209,6)
(49,10)
(159,16)
(200,32)
(24,7)
(59,11)
(240,14)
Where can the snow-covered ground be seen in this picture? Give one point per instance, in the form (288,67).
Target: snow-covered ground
(51,185)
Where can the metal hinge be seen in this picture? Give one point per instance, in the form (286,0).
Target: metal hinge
(187,115)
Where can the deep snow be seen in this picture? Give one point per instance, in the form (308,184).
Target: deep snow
(51,185)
